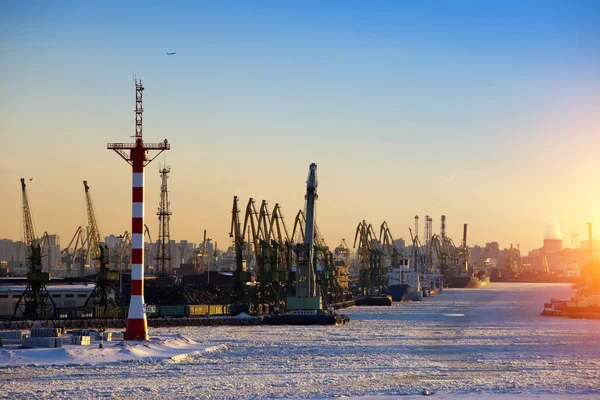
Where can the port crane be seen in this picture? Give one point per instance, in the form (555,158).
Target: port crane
(280,238)
(35,302)
(341,262)
(105,294)
(448,257)
(342,253)
(241,274)
(306,299)
(268,235)
(94,235)
(419,259)
(124,260)
(327,266)
(370,257)
(394,254)
(69,252)
(271,273)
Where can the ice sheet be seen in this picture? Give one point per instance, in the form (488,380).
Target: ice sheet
(463,343)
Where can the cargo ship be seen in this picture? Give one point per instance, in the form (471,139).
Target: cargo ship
(404,284)
(469,280)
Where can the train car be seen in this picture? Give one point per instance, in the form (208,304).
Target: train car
(111,312)
(196,310)
(170,311)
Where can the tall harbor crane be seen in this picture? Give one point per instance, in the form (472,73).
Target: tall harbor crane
(418,259)
(35,302)
(241,274)
(395,256)
(94,236)
(370,257)
(306,299)
(341,261)
(106,294)
(330,270)
(271,268)
(46,250)
(281,239)
(69,252)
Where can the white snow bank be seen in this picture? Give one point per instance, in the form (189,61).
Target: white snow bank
(175,348)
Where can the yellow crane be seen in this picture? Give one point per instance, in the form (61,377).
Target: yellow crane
(35,302)
(94,236)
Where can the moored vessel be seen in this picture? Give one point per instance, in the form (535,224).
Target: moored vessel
(404,284)
(469,280)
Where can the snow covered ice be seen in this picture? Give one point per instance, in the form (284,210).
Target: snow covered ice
(463,343)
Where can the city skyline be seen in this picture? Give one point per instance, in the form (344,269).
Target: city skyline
(486,113)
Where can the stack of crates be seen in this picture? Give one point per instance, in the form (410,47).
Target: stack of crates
(45,332)
(81,340)
(94,335)
(106,336)
(50,342)
(12,335)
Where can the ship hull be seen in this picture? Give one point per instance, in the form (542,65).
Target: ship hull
(469,282)
(404,292)
(590,312)
(373,300)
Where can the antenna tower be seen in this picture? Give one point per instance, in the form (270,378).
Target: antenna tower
(136,155)
(164,234)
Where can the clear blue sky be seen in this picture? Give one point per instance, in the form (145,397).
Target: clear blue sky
(485,111)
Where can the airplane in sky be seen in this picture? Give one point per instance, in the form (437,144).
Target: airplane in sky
(171,54)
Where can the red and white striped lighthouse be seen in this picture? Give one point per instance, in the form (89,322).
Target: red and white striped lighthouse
(137,157)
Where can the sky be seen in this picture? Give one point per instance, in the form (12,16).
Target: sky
(486,112)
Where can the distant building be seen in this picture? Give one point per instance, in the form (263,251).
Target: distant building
(585,244)
(552,246)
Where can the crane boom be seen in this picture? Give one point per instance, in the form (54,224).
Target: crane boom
(241,275)
(35,301)
(311,197)
(95,238)
(307,299)
(28,229)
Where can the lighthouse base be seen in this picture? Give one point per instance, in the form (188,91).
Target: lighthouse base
(137,329)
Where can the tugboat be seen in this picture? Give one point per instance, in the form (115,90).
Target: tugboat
(586,303)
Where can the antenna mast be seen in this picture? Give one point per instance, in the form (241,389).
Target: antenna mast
(164,234)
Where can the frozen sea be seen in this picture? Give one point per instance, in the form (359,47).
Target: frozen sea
(487,343)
